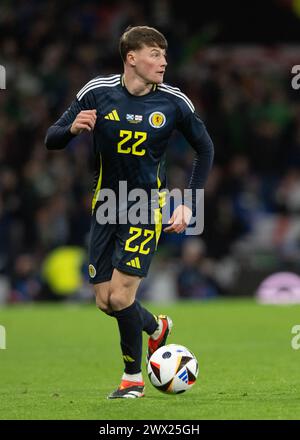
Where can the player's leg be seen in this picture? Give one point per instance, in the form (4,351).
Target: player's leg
(136,248)
(132,319)
(102,297)
(101,248)
(122,293)
(123,288)
(131,261)
(158,327)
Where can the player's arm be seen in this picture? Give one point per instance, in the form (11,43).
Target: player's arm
(196,134)
(80,116)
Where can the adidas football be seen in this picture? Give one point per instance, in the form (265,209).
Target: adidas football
(172,369)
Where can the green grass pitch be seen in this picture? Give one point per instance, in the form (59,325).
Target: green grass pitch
(61,361)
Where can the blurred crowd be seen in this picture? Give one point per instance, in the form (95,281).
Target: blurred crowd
(244,96)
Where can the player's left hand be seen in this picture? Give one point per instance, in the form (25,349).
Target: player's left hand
(180,219)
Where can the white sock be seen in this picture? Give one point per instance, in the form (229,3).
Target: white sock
(138,377)
(158,331)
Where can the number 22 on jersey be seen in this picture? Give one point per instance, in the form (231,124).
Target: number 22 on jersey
(126,147)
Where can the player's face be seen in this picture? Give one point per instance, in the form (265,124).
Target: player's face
(150,64)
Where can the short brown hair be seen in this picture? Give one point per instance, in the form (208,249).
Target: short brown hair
(136,37)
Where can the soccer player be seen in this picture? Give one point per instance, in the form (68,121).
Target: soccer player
(132,116)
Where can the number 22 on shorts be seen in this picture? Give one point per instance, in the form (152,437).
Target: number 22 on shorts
(136,233)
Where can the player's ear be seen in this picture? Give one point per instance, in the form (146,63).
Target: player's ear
(131,58)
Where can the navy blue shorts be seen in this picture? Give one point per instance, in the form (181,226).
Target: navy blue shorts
(127,247)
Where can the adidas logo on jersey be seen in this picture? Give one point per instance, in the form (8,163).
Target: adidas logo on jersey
(112,116)
(134,263)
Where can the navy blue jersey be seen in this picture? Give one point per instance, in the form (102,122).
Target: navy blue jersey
(132,132)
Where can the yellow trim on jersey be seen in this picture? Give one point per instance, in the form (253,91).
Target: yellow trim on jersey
(162,199)
(158,224)
(161,195)
(98,187)
(157,211)
(157,177)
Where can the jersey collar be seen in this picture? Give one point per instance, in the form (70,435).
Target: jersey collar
(153,88)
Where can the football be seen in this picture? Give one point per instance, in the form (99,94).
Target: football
(172,369)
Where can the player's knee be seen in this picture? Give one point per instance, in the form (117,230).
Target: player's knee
(103,306)
(102,297)
(102,303)
(118,300)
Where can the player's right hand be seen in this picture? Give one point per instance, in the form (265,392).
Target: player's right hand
(85,120)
